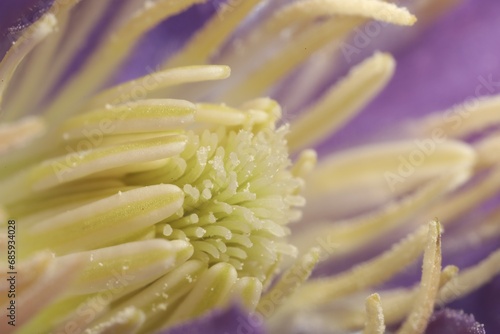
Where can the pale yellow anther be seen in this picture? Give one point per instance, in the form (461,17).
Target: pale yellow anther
(486,151)
(303,12)
(417,320)
(447,274)
(288,58)
(396,303)
(247,291)
(341,102)
(139,117)
(264,104)
(219,114)
(373,272)
(156,82)
(381,172)
(74,166)
(305,164)
(309,10)
(374,323)
(104,222)
(349,235)
(463,119)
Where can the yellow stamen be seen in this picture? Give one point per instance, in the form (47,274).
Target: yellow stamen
(211,291)
(309,10)
(209,39)
(350,235)
(384,171)
(471,279)
(224,115)
(365,275)
(374,323)
(157,82)
(139,263)
(73,166)
(416,322)
(342,102)
(161,295)
(288,58)
(144,116)
(248,290)
(109,55)
(291,280)
(98,223)
(396,303)
(90,12)
(463,119)
(305,164)
(27,42)
(36,69)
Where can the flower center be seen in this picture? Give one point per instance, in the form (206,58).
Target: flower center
(174,190)
(230,212)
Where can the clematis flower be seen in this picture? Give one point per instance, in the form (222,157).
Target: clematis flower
(164,195)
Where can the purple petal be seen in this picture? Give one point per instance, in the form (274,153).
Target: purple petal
(450,321)
(232,320)
(16,15)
